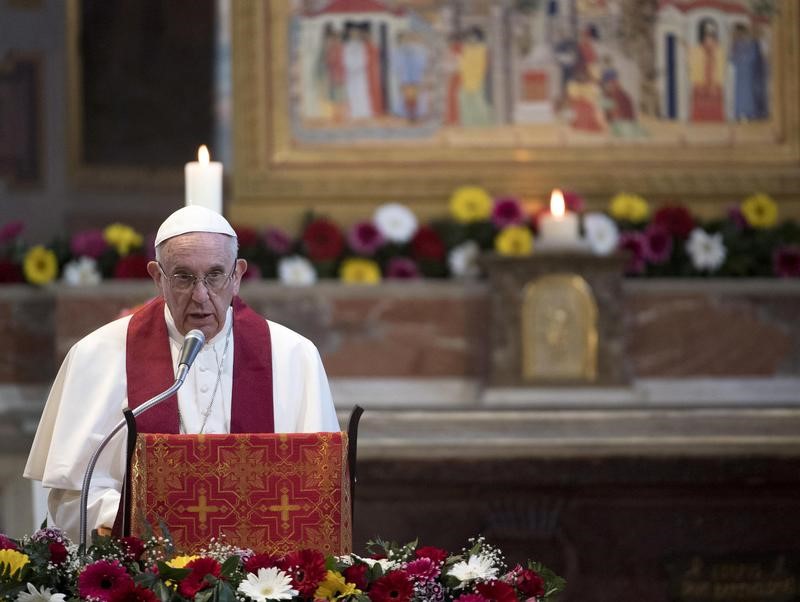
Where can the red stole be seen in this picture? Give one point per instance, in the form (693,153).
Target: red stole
(150,371)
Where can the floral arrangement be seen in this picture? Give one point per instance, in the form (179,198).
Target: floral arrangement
(392,244)
(47,567)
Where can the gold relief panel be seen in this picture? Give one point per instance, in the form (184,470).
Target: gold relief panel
(559,330)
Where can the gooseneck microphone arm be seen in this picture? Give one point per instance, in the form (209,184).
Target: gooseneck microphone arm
(192,344)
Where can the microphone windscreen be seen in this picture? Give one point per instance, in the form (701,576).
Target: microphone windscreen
(192,344)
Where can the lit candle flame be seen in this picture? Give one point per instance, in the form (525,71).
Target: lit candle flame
(202,155)
(557,208)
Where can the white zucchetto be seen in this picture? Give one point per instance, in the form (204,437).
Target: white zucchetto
(193,218)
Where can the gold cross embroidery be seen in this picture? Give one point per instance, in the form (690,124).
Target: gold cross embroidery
(284,508)
(202,508)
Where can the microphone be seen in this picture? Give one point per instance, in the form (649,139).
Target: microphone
(192,344)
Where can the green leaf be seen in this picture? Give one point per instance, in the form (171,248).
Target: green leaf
(230,566)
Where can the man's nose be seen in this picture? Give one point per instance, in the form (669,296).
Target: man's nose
(200,291)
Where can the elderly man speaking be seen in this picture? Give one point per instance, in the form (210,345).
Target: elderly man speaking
(252,375)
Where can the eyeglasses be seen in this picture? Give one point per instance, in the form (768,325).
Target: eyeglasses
(184,281)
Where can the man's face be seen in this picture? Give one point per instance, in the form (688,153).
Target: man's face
(198,254)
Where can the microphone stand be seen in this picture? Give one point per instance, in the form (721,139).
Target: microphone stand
(87,477)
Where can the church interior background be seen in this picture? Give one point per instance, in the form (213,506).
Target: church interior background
(627,414)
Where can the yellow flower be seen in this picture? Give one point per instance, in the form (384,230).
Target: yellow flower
(470,204)
(514,241)
(334,587)
(629,207)
(123,238)
(180,562)
(13,561)
(40,265)
(360,271)
(760,211)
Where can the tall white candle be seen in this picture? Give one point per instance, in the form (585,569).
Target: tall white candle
(204,181)
(559,228)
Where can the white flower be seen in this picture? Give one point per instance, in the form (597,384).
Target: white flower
(41,595)
(385,564)
(396,222)
(601,233)
(707,251)
(463,259)
(269,584)
(477,567)
(297,271)
(82,272)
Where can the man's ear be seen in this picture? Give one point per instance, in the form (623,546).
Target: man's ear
(155,273)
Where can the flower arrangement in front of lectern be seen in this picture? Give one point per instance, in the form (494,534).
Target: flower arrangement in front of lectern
(47,567)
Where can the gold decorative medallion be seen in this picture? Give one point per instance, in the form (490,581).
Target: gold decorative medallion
(559,329)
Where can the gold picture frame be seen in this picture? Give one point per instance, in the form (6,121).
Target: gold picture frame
(279,174)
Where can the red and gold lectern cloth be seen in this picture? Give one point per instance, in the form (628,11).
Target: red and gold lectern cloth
(268,492)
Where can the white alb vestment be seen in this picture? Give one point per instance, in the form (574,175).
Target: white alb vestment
(90,391)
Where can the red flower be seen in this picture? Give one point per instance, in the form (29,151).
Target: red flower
(307,569)
(58,552)
(134,593)
(427,244)
(530,583)
(10,231)
(392,587)
(471,598)
(102,579)
(402,268)
(496,591)
(435,554)
(196,580)
(675,219)
(10,272)
(786,261)
(507,212)
(133,547)
(260,561)
(7,543)
(131,267)
(323,240)
(357,574)
(247,237)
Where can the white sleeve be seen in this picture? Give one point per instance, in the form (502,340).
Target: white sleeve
(302,398)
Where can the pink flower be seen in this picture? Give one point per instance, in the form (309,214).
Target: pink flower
(423,569)
(402,268)
(277,241)
(10,231)
(89,243)
(365,238)
(507,211)
(658,244)
(102,579)
(634,243)
(786,261)
(253,272)
(7,543)
(736,217)
(573,201)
